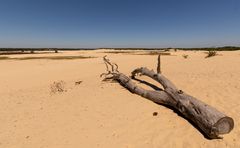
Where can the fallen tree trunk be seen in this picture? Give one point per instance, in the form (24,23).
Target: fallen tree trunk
(208,119)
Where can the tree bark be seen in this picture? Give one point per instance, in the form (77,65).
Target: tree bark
(212,122)
(209,120)
(159,64)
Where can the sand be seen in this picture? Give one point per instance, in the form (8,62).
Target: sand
(102,114)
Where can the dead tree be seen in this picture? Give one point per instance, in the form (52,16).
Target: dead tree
(209,120)
(159,64)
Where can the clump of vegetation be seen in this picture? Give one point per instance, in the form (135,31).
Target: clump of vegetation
(133,48)
(119,52)
(55,58)
(58,87)
(167,49)
(139,52)
(185,56)
(48,58)
(225,48)
(78,82)
(211,54)
(155,53)
(4,58)
(155,113)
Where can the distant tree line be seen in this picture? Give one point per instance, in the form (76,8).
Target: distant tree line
(42,49)
(225,48)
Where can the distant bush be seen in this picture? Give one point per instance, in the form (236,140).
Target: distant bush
(155,53)
(211,54)
(225,48)
(58,87)
(185,56)
(4,58)
(166,49)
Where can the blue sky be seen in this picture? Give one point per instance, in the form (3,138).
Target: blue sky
(119,23)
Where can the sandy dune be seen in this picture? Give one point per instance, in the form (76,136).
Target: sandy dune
(101,114)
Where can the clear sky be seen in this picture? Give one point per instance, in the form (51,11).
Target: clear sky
(119,23)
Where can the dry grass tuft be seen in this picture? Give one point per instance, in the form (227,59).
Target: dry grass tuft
(138,52)
(211,54)
(78,82)
(155,113)
(120,52)
(58,87)
(54,58)
(155,53)
(48,58)
(4,58)
(23,52)
(185,56)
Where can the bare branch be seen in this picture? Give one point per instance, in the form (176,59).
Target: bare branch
(159,64)
(211,122)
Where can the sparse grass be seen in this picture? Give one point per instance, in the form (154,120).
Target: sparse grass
(55,58)
(25,52)
(119,52)
(155,53)
(211,54)
(57,87)
(78,82)
(225,48)
(166,49)
(138,52)
(4,58)
(48,58)
(185,56)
